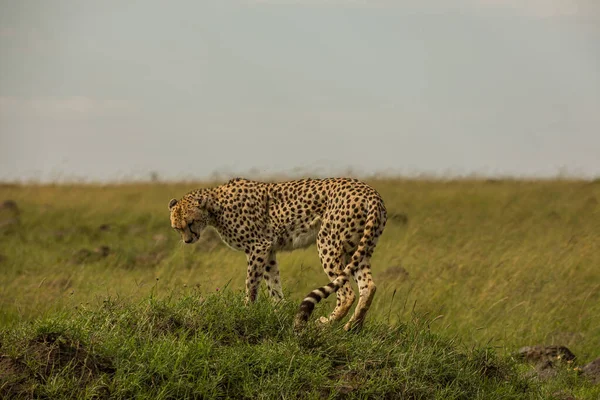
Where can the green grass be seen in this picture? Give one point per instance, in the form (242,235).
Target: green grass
(194,346)
(495,265)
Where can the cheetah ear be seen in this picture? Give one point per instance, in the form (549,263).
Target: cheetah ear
(172,203)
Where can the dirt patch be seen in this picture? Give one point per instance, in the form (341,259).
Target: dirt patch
(9,216)
(83,256)
(396,271)
(14,379)
(56,352)
(104,228)
(399,218)
(150,258)
(591,201)
(10,206)
(45,356)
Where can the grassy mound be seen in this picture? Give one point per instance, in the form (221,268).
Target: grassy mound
(213,347)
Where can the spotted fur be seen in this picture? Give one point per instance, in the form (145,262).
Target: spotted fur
(345,217)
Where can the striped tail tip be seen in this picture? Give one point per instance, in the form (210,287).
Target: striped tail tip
(311,300)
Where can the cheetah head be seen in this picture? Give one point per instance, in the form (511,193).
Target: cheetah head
(189,217)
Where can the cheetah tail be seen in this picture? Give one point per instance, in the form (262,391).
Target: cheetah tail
(313,298)
(310,301)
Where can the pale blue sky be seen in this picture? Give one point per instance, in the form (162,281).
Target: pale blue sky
(114,89)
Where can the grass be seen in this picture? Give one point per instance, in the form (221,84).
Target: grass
(491,265)
(196,346)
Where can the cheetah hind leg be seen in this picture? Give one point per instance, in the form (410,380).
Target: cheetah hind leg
(333,261)
(345,298)
(367,289)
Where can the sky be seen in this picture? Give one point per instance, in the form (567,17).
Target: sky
(117,90)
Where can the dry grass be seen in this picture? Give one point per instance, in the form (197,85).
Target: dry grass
(505,262)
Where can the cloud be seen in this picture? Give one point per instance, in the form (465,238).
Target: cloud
(62,108)
(26,40)
(530,8)
(7,32)
(544,8)
(339,3)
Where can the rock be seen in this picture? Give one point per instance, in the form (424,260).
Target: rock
(545,369)
(541,354)
(592,371)
(546,359)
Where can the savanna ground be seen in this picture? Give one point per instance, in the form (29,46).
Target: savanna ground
(468,271)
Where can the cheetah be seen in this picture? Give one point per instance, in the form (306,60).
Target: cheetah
(344,216)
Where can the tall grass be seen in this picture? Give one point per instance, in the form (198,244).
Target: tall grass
(496,263)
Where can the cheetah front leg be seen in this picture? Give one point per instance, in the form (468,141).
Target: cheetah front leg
(272,279)
(256,266)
